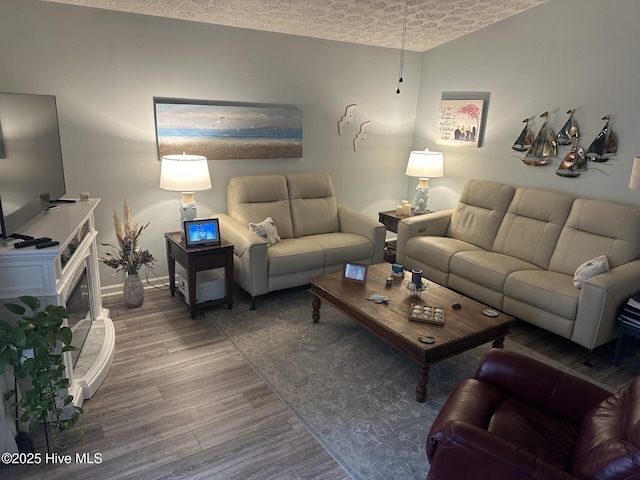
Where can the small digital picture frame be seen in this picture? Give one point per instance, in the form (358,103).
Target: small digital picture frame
(355,272)
(202,232)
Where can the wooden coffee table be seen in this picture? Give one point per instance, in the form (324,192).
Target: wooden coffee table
(464,329)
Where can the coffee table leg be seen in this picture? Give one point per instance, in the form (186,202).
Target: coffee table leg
(498,343)
(315,302)
(421,388)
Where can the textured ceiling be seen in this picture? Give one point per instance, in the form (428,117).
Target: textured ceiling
(367,22)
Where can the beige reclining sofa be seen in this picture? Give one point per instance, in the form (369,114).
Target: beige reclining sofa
(315,235)
(518,250)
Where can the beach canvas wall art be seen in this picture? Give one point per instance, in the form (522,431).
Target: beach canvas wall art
(459,123)
(226,131)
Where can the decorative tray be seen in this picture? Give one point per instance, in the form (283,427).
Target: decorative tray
(426,314)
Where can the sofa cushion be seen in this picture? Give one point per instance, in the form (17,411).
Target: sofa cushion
(313,204)
(549,437)
(253,198)
(480,210)
(532,225)
(489,269)
(293,255)
(438,250)
(549,291)
(597,227)
(342,247)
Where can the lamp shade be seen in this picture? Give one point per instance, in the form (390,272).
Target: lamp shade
(634,181)
(425,164)
(184,173)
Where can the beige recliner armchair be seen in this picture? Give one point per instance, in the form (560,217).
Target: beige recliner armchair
(316,234)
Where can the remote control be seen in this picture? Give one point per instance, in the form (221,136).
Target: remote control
(31,243)
(48,244)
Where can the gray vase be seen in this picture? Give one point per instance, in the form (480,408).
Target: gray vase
(133,290)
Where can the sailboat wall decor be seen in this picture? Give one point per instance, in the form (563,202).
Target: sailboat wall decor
(605,145)
(573,162)
(569,130)
(544,146)
(525,139)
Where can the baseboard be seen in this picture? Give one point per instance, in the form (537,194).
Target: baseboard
(116,289)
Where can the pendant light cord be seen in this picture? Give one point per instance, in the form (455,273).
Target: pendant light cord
(404,36)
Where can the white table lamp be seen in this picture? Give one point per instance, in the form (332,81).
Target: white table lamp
(186,174)
(425,165)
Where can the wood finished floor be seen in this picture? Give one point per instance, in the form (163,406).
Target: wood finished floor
(180,402)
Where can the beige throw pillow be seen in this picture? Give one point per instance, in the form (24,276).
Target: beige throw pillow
(267,230)
(589,269)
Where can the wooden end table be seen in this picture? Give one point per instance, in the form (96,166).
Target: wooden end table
(390,219)
(196,259)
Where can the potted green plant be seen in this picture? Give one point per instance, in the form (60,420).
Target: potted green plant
(34,348)
(127,256)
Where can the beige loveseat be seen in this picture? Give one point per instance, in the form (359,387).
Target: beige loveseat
(317,235)
(517,250)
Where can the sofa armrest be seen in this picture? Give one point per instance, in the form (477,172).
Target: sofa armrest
(539,383)
(242,238)
(486,399)
(352,221)
(432,224)
(250,252)
(466,451)
(601,298)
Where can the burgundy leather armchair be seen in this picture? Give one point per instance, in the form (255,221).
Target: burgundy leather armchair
(520,418)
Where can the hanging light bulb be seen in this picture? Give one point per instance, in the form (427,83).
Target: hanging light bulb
(404,36)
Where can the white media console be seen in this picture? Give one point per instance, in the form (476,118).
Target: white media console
(65,274)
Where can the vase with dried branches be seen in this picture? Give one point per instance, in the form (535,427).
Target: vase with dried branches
(128,256)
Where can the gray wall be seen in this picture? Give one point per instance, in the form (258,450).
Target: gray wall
(563,54)
(105,68)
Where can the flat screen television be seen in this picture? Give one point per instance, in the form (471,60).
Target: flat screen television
(31,172)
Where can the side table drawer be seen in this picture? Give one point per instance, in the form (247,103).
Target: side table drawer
(390,223)
(207,262)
